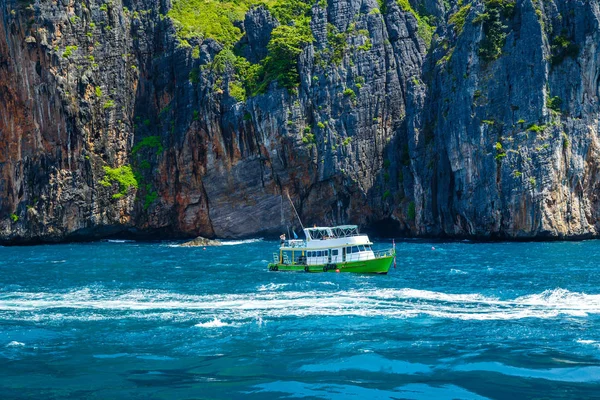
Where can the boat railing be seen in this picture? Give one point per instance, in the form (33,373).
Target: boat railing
(367,255)
(364,255)
(294,243)
(384,253)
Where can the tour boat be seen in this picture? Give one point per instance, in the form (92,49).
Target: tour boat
(332,249)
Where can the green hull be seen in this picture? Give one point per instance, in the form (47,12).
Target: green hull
(375,266)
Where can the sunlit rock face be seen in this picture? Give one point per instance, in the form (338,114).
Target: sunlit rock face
(484,126)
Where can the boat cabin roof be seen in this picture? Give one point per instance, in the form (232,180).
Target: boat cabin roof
(336,232)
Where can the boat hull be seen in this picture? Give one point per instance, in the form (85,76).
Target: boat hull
(375,266)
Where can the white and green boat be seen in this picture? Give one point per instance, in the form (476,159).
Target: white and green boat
(332,249)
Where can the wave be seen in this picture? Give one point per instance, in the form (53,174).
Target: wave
(118,241)
(14,343)
(270,302)
(592,343)
(271,286)
(215,323)
(328,390)
(236,242)
(458,272)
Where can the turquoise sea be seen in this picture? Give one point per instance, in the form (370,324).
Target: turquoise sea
(456,320)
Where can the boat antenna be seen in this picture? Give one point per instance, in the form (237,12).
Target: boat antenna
(292,203)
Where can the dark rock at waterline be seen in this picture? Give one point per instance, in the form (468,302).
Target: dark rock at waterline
(201,242)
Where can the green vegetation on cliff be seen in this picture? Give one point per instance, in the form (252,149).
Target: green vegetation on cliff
(123,175)
(215,19)
(148,142)
(493,18)
(284,48)
(561,48)
(458,18)
(210,18)
(424,22)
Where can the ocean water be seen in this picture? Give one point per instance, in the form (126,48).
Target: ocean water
(128,320)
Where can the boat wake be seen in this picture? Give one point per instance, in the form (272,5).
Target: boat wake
(273,303)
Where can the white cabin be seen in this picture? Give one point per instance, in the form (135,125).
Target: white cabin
(328,245)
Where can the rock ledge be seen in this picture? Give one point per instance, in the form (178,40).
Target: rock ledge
(201,241)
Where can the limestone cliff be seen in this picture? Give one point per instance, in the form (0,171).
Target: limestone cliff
(114,118)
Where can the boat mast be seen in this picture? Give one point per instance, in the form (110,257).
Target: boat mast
(294,208)
(283,219)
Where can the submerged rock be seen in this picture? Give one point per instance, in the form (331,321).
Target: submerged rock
(201,242)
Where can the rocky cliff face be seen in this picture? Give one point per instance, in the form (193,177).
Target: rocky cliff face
(513,145)
(110,122)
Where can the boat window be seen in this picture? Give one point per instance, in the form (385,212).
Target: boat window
(334,252)
(348,250)
(319,253)
(355,249)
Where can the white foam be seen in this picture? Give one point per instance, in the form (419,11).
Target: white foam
(223,243)
(14,343)
(458,271)
(592,343)
(236,242)
(582,341)
(119,241)
(215,323)
(271,287)
(269,302)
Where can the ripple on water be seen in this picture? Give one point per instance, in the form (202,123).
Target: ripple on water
(466,316)
(341,392)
